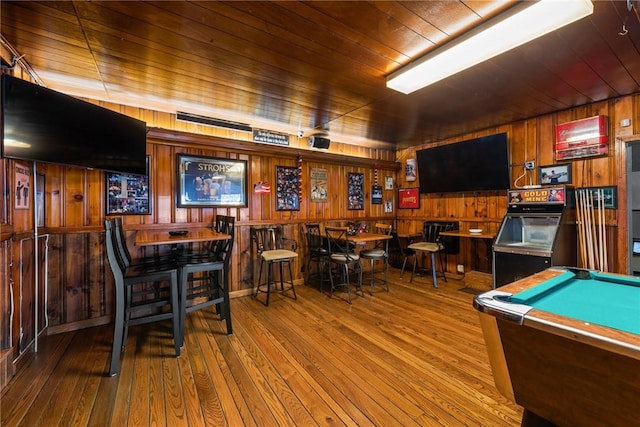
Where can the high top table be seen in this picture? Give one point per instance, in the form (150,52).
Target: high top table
(162,237)
(486,236)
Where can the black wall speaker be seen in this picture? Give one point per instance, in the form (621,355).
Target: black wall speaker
(316,141)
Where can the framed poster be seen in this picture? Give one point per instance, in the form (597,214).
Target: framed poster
(211,182)
(376,195)
(355,191)
(388,206)
(388,183)
(287,190)
(318,179)
(128,194)
(408,198)
(555,174)
(22,183)
(609,195)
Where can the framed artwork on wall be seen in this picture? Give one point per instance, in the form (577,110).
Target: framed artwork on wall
(128,194)
(609,195)
(318,179)
(355,191)
(287,189)
(408,198)
(555,174)
(22,175)
(211,182)
(376,195)
(388,183)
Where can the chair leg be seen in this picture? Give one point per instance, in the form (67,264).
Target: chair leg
(413,271)
(184,284)
(116,348)
(293,288)
(433,269)
(372,276)
(269,279)
(346,281)
(178,311)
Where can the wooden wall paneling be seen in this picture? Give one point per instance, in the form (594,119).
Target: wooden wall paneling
(53,197)
(96,290)
(43,242)
(74,196)
(75,247)
(6,283)
(95,192)
(55,291)
(163,173)
(545,140)
(26,293)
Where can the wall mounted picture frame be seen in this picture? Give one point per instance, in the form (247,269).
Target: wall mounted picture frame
(211,182)
(388,206)
(318,180)
(355,191)
(555,174)
(128,194)
(609,193)
(376,195)
(408,198)
(388,183)
(287,189)
(22,182)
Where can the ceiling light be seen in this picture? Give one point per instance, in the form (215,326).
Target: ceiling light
(517,26)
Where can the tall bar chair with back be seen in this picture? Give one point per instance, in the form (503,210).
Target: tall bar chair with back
(342,256)
(204,275)
(272,253)
(380,252)
(142,289)
(316,254)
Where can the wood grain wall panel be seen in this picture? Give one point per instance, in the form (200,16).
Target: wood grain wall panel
(6,271)
(74,195)
(75,279)
(26,293)
(56,292)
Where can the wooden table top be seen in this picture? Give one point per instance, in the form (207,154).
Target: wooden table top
(466,233)
(368,237)
(160,237)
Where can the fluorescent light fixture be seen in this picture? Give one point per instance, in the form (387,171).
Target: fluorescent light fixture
(518,25)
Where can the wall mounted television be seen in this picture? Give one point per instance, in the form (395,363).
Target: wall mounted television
(40,124)
(479,164)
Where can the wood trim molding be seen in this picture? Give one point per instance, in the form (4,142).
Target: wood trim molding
(185,139)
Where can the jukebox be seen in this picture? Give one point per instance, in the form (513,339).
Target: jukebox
(537,232)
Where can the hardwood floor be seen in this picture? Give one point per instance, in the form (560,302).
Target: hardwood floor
(412,357)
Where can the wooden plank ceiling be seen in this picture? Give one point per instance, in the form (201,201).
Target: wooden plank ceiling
(320,65)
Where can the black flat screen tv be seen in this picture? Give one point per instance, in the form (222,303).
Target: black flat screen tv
(43,125)
(480,164)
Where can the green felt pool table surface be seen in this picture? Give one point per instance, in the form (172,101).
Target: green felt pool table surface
(604,299)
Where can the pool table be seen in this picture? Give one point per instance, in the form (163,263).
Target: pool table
(565,344)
